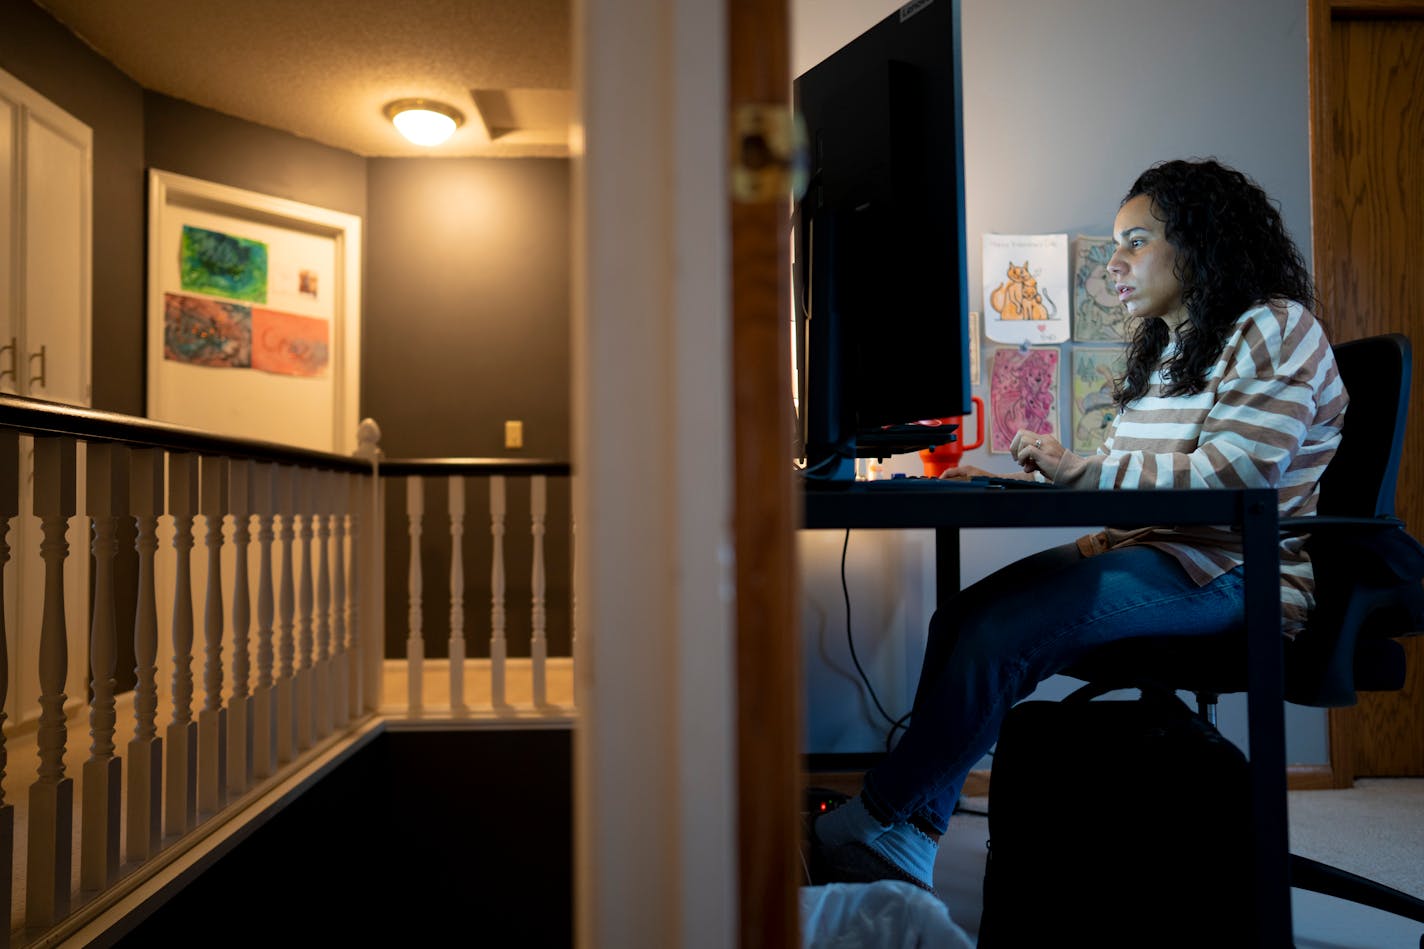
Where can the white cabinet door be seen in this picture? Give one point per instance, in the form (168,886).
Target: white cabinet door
(57,245)
(46,175)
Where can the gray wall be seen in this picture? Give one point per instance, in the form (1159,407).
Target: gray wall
(1064,104)
(190,140)
(467,302)
(467,315)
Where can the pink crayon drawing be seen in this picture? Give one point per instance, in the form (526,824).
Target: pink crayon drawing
(1023,394)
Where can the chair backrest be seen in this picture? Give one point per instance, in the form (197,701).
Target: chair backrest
(1359,605)
(1360,480)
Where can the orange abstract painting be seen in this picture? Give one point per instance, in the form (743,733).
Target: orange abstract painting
(288,344)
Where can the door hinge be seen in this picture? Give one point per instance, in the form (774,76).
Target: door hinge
(768,153)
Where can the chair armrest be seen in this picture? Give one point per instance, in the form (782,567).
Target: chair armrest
(1377,551)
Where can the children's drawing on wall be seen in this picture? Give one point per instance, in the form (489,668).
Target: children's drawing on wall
(974,334)
(1097,316)
(288,344)
(295,284)
(1094,372)
(1026,288)
(223,265)
(1023,393)
(203,332)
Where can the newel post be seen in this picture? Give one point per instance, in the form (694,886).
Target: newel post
(368,632)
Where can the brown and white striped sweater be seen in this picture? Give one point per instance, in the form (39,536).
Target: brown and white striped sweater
(1270,415)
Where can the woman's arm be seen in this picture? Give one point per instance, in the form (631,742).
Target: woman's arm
(1278,376)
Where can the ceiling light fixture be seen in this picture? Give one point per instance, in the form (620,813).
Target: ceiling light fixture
(424,121)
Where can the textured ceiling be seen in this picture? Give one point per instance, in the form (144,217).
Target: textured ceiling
(323,69)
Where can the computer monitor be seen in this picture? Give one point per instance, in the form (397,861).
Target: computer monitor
(881,285)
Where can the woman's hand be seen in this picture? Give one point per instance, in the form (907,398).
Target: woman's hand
(1036,452)
(965,472)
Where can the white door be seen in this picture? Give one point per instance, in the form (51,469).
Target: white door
(46,175)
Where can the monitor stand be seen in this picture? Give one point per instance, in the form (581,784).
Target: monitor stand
(838,465)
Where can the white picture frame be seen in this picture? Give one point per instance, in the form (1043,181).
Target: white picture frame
(319,411)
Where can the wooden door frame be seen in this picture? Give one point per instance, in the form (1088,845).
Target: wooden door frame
(764,502)
(1326,244)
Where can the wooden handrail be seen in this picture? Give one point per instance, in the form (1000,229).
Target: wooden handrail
(40,417)
(475,467)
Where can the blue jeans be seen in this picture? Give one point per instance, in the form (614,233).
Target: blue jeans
(995,641)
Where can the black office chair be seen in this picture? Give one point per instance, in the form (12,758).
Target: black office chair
(1367,574)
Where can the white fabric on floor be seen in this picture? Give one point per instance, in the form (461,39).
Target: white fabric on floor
(886,914)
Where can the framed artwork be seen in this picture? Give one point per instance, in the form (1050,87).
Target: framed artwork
(1097,315)
(1023,393)
(974,334)
(253,314)
(1026,288)
(1095,369)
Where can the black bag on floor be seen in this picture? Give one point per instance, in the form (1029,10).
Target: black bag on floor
(1116,823)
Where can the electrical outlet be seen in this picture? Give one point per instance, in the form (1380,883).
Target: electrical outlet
(514,433)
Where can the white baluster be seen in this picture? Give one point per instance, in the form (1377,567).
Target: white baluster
(240,474)
(145,757)
(264,696)
(106,479)
(285,497)
(181,740)
(304,674)
(538,641)
(212,718)
(51,815)
(497,641)
(322,668)
(356,623)
(373,629)
(340,609)
(9,508)
(415,640)
(457,593)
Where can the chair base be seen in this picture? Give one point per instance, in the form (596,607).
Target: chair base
(1332,881)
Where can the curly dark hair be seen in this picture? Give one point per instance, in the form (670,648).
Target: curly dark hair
(1233,253)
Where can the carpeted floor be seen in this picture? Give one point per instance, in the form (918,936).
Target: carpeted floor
(1375,829)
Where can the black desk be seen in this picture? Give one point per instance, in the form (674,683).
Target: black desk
(1254,510)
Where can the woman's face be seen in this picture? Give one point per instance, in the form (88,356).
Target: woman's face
(1143,265)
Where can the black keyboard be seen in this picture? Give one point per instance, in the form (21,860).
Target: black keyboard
(921,483)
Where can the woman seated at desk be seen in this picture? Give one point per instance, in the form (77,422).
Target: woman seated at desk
(1230,382)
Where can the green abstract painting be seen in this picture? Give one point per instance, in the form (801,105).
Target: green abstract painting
(223,265)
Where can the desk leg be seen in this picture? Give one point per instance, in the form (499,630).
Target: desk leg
(1266,712)
(946,564)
